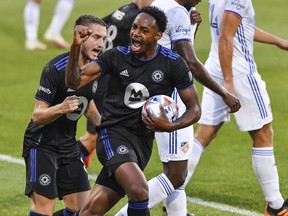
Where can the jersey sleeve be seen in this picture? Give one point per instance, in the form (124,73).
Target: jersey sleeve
(179,25)
(48,85)
(182,76)
(238,7)
(107,61)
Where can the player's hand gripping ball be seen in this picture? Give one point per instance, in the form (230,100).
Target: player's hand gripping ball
(170,107)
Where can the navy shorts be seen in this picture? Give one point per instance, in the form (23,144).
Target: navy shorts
(53,176)
(116,146)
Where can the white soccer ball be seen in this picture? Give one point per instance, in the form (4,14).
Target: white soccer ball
(170,107)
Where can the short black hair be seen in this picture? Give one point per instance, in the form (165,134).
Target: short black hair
(158,15)
(87,19)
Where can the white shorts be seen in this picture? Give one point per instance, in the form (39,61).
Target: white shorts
(177,145)
(255,109)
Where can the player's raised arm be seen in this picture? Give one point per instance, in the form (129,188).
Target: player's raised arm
(75,75)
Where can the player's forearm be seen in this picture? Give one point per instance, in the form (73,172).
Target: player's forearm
(205,79)
(225,57)
(193,109)
(190,117)
(93,114)
(265,37)
(73,69)
(186,50)
(44,116)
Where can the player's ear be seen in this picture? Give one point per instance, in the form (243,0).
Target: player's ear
(158,35)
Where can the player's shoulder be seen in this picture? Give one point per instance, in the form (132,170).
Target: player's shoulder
(124,50)
(132,7)
(59,62)
(122,13)
(168,53)
(169,5)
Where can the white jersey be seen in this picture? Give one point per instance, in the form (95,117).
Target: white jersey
(179,24)
(243,62)
(177,145)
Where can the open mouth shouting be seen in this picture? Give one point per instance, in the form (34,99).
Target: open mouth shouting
(135,44)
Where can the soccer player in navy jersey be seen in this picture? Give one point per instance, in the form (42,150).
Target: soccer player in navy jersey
(54,167)
(137,72)
(119,23)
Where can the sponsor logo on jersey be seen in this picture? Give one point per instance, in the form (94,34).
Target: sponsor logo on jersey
(157,76)
(75,115)
(45,180)
(185,146)
(45,90)
(122,150)
(135,95)
(183,30)
(237,4)
(124,73)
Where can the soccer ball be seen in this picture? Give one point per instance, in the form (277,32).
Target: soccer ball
(170,107)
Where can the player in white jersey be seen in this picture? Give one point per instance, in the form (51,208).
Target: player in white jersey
(175,148)
(232,64)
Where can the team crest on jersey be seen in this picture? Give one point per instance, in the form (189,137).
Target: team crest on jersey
(95,86)
(122,150)
(45,180)
(157,76)
(185,146)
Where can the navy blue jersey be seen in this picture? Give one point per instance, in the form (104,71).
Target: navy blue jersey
(57,137)
(119,25)
(132,81)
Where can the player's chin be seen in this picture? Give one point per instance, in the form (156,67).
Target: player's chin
(93,54)
(136,49)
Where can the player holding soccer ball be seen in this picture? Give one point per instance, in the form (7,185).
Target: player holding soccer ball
(175,148)
(137,72)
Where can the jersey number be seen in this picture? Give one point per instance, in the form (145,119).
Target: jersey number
(111,35)
(213,20)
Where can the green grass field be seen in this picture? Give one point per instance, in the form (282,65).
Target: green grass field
(224,175)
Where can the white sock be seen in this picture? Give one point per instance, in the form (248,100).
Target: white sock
(160,188)
(265,169)
(61,14)
(31,21)
(194,159)
(176,203)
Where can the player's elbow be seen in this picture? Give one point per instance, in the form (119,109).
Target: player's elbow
(195,67)
(35,119)
(197,111)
